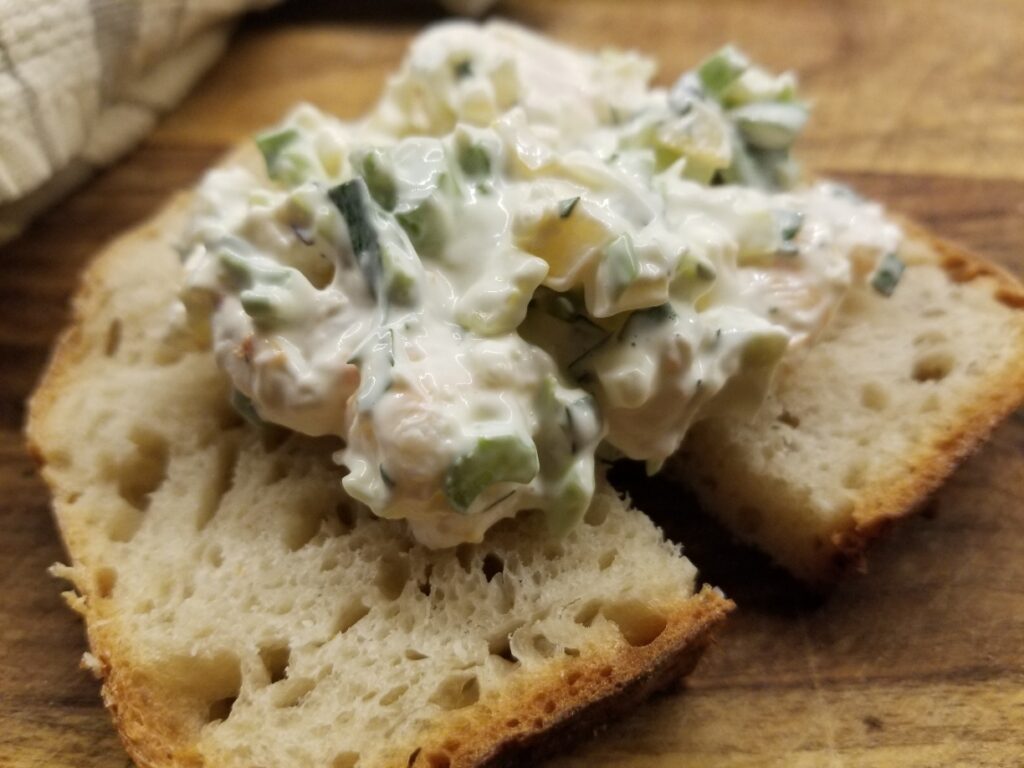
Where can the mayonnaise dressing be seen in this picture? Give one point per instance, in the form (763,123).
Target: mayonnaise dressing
(522,252)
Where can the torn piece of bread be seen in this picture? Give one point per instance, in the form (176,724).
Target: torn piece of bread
(243,613)
(869,421)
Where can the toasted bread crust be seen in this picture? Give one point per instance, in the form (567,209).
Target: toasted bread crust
(159,731)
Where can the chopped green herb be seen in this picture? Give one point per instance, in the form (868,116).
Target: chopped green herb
(567,206)
(499,459)
(768,125)
(352,199)
(261,306)
(386,478)
(888,274)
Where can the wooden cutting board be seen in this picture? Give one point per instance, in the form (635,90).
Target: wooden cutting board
(917,662)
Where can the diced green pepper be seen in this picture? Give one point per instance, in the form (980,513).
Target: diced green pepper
(497,459)
(887,275)
(400,283)
(262,306)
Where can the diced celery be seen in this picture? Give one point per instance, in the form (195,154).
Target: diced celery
(474,159)
(496,459)
(245,273)
(426,227)
(380,179)
(572,497)
(887,275)
(399,280)
(757,85)
(271,143)
(770,125)
(718,71)
(262,307)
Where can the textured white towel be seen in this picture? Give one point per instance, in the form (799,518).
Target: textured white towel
(81,81)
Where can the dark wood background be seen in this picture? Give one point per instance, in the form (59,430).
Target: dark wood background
(917,662)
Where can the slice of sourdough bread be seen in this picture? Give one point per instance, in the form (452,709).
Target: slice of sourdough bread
(869,421)
(242,612)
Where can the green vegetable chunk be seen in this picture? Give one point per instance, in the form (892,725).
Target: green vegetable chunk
(474,160)
(770,125)
(426,227)
(499,459)
(272,143)
(380,181)
(244,407)
(352,199)
(718,71)
(888,274)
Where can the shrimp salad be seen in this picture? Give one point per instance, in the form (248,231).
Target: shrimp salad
(524,254)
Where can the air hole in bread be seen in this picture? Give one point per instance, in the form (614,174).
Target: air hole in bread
(413,655)
(544,647)
(350,615)
(572,678)
(874,397)
(345,760)
(933,366)
(220,709)
(457,691)
(492,565)
(587,613)
(218,481)
(500,643)
(291,691)
(604,562)
(438,760)
(144,470)
(464,556)
(392,575)
(424,583)
(638,622)
(112,342)
(275,660)
(789,419)
(106,580)
(393,695)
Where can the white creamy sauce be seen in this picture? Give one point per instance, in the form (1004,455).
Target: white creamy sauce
(521,252)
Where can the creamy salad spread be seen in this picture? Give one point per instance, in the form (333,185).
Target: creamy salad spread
(522,254)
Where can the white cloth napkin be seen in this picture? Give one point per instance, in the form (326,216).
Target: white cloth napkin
(82,81)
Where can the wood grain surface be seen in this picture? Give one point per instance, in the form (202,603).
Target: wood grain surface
(917,662)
